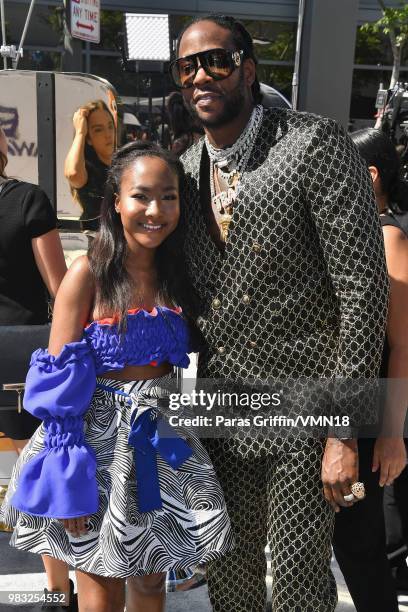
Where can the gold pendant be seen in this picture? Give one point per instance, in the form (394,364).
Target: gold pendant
(233,179)
(224,200)
(224,224)
(219,201)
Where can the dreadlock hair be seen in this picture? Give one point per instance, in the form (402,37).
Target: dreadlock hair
(241,39)
(114,288)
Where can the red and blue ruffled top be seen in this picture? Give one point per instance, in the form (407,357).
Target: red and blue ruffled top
(151,338)
(60,481)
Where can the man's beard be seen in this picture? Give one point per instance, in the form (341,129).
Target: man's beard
(233,103)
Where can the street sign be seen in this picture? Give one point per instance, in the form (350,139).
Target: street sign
(85,20)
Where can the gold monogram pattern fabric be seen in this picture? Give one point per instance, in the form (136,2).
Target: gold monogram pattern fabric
(275,498)
(300,292)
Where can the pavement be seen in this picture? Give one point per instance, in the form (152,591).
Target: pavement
(24,572)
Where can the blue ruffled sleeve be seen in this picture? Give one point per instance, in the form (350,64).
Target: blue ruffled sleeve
(60,482)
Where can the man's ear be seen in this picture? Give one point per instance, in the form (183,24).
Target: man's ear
(249,69)
(375,175)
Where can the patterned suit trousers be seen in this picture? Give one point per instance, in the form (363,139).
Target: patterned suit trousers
(274,495)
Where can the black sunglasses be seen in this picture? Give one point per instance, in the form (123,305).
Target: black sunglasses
(217,63)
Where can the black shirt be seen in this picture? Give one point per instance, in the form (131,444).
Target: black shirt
(91,194)
(25,213)
(400,221)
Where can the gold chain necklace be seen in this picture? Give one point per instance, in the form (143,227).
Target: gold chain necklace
(223,199)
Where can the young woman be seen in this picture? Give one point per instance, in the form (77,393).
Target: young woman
(359,536)
(89,158)
(124,497)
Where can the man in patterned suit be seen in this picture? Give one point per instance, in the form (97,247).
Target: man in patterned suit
(285,251)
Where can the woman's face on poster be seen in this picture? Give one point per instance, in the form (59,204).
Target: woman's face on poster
(101,133)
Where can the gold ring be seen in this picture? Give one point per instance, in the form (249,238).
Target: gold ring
(358,490)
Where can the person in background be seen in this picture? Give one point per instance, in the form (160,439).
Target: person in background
(359,536)
(146,134)
(89,158)
(162,131)
(185,131)
(31,263)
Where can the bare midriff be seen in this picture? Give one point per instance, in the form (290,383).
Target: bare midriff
(146,372)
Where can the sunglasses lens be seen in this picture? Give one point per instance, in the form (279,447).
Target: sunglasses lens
(183,72)
(218,64)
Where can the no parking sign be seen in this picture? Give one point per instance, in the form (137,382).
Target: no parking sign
(85,20)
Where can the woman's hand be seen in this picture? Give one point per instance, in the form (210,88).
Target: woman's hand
(75,167)
(390,457)
(80,121)
(76,526)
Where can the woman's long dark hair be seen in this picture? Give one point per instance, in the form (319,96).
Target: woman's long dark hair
(378,150)
(241,38)
(3,157)
(3,164)
(114,288)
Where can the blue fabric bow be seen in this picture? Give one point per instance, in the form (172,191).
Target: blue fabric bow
(150,436)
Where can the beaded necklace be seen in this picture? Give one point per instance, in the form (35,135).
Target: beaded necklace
(228,166)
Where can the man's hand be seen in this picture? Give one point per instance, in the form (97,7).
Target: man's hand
(76,526)
(391,457)
(339,471)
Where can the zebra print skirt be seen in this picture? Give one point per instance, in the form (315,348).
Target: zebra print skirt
(192,527)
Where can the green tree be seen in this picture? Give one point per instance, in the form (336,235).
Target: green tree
(112,26)
(393,23)
(371,47)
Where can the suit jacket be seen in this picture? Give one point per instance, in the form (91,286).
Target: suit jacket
(301,290)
